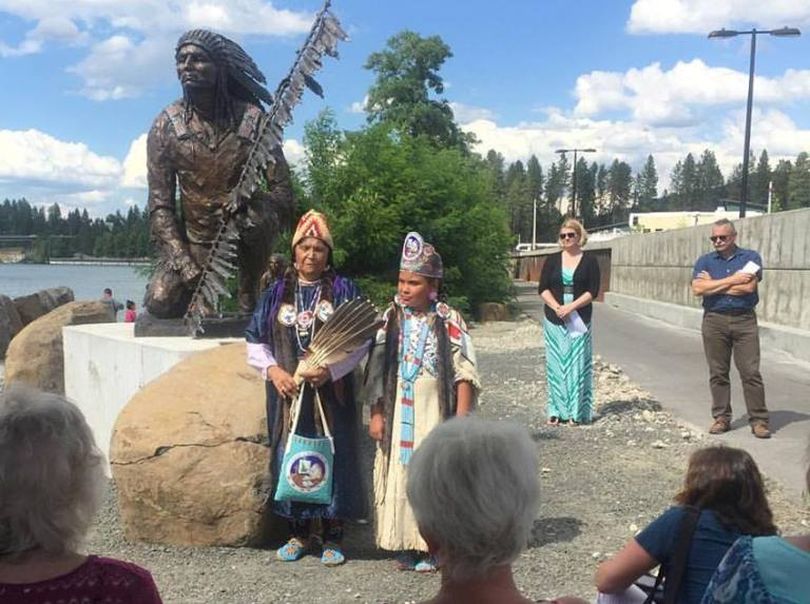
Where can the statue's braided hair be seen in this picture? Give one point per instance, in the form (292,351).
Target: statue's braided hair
(238,77)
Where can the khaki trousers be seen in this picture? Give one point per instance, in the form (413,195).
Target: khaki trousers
(724,334)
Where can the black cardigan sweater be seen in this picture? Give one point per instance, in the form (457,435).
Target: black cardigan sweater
(586,279)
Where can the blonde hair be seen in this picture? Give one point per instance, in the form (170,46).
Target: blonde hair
(576,225)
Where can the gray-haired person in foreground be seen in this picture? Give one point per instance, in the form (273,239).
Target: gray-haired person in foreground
(51,484)
(473,487)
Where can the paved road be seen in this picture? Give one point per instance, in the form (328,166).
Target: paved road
(668,362)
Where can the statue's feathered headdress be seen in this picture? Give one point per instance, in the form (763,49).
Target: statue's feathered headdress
(244,79)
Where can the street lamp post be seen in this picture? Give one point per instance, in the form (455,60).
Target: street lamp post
(574,175)
(730,33)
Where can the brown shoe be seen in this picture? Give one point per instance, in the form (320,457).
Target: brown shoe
(720,425)
(761,430)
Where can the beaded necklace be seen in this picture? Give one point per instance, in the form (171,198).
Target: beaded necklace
(305,316)
(410,363)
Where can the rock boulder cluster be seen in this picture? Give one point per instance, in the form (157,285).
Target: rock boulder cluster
(35,355)
(18,312)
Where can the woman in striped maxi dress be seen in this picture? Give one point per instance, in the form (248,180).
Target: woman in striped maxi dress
(569,282)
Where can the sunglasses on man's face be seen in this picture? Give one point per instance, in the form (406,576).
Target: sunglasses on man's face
(720,238)
(568,235)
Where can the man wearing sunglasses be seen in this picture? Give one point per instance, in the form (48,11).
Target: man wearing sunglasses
(727,281)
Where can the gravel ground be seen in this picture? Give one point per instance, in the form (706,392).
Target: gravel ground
(600,484)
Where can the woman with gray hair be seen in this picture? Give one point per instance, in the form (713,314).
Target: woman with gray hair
(473,487)
(51,484)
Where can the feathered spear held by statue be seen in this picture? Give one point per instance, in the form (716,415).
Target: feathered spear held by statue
(323,39)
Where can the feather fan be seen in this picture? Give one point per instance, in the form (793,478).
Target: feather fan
(350,326)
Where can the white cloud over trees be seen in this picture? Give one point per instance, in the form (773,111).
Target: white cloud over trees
(703,16)
(129,40)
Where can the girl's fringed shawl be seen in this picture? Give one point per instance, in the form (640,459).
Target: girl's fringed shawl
(444,329)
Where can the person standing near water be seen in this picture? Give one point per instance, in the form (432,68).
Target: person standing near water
(114,305)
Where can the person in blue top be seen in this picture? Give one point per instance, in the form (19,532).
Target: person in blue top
(727,280)
(764,570)
(726,487)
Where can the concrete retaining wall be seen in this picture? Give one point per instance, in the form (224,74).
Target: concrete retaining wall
(658,266)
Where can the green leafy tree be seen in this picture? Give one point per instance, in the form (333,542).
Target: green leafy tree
(407,75)
(534,175)
(519,201)
(648,185)
(496,166)
(709,183)
(781,186)
(619,184)
(384,183)
(635,192)
(586,192)
(556,184)
(760,180)
(799,182)
(734,183)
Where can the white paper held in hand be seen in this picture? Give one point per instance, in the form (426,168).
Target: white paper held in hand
(750,268)
(575,325)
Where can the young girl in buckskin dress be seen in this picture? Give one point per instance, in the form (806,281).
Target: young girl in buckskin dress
(422,371)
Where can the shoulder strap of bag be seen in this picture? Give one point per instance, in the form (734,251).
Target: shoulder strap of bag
(682,543)
(295,413)
(327,432)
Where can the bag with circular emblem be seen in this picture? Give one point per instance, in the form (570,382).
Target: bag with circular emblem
(306,469)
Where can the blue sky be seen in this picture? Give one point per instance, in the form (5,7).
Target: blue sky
(83,79)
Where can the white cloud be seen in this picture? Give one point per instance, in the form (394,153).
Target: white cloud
(26,47)
(470,113)
(59,29)
(359,106)
(119,67)
(32,157)
(703,16)
(655,96)
(46,170)
(133,38)
(294,151)
(134,176)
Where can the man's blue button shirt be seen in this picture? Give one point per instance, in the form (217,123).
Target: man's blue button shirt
(720,268)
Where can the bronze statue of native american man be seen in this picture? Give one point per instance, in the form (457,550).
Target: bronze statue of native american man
(196,150)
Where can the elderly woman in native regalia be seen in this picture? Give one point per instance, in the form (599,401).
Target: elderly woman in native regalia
(422,371)
(291,309)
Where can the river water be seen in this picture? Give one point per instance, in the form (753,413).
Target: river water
(87,282)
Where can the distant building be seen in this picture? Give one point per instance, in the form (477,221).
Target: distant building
(12,255)
(649,222)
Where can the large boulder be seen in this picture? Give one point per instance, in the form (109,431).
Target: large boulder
(10,323)
(34,306)
(492,311)
(35,355)
(189,454)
